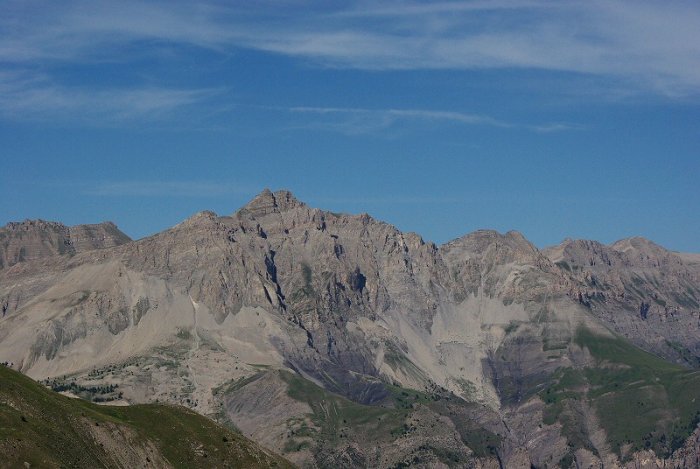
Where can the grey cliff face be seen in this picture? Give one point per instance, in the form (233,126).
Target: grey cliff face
(639,289)
(36,239)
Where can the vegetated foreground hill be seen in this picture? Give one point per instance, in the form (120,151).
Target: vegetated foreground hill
(41,428)
(338,340)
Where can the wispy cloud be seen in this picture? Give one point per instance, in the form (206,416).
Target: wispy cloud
(597,37)
(354,121)
(394,114)
(27,96)
(164,189)
(397,9)
(647,45)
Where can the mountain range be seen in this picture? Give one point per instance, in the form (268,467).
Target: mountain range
(336,340)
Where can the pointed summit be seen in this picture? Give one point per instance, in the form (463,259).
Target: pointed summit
(272,202)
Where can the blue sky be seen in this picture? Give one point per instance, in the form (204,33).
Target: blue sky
(558,119)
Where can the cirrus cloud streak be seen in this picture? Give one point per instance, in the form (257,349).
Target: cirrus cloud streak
(651,46)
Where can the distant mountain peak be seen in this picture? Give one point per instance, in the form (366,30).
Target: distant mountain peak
(636,242)
(203,215)
(34,239)
(484,237)
(272,202)
(37,223)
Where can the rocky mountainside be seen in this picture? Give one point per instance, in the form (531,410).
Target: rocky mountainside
(642,291)
(338,340)
(35,239)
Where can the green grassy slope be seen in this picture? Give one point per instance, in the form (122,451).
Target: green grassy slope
(46,429)
(640,400)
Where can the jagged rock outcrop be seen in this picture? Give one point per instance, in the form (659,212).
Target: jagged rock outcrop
(642,291)
(36,239)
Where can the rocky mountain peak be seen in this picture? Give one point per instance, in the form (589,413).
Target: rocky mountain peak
(643,252)
(35,239)
(511,244)
(29,225)
(272,202)
(634,242)
(521,241)
(584,252)
(638,245)
(629,252)
(199,217)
